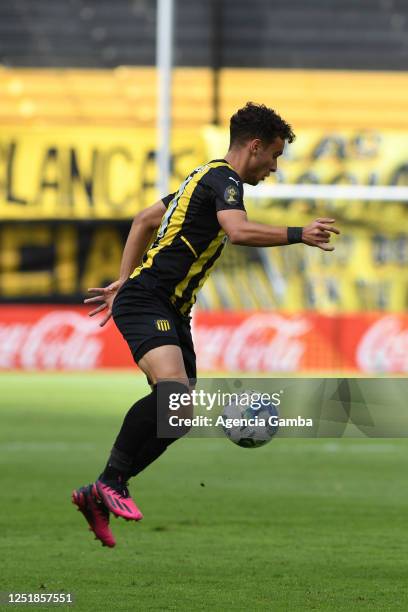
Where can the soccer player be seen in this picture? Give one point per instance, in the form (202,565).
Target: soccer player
(157,287)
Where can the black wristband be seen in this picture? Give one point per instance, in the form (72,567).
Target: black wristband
(295,234)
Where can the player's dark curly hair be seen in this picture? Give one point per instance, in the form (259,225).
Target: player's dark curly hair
(258,121)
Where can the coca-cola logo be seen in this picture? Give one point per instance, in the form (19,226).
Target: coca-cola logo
(62,339)
(384,347)
(261,342)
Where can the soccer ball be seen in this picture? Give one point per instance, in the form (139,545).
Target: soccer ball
(248,422)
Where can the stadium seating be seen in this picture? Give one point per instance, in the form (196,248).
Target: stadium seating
(127,96)
(366,35)
(64,43)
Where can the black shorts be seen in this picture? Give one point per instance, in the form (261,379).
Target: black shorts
(147,321)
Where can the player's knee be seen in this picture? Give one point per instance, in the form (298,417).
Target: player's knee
(171,372)
(164,363)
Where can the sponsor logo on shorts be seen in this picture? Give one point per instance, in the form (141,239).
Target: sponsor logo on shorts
(162,324)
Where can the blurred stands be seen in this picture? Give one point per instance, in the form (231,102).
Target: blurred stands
(341,34)
(127,96)
(121,96)
(113,45)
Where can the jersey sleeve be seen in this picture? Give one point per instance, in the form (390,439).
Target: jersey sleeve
(227,189)
(167,199)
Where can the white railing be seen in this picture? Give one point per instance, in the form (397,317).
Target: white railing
(281,191)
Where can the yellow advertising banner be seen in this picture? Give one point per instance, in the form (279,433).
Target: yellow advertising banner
(85,172)
(108,173)
(80,174)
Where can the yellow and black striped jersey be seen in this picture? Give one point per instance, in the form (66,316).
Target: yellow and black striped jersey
(190,238)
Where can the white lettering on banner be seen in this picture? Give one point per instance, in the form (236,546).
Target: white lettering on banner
(384,347)
(209,343)
(59,340)
(11,339)
(66,339)
(262,342)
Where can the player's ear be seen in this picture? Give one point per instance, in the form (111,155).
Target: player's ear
(255,146)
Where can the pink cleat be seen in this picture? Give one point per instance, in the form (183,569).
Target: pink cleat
(116,497)
(95,513)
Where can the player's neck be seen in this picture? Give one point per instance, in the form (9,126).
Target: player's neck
(237,159)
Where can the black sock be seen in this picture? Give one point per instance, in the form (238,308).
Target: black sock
(150,452)
(159,440)
(137,444)
(138,425)
(118,468)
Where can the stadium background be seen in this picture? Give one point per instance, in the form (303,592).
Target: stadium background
(298,524)
(78,137)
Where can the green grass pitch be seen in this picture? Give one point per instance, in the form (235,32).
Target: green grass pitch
(295,525)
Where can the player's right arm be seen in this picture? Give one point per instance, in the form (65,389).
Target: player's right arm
(140,236)
(244,232)
(141,233)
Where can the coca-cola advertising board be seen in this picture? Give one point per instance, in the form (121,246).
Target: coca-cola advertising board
(65,338)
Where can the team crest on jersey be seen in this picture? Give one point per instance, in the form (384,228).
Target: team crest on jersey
(162,324)
(231,194)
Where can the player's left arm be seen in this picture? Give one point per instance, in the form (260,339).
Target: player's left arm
(231,214)
(242,231)
(140,236)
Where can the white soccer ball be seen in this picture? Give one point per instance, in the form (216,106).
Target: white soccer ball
(248,422)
